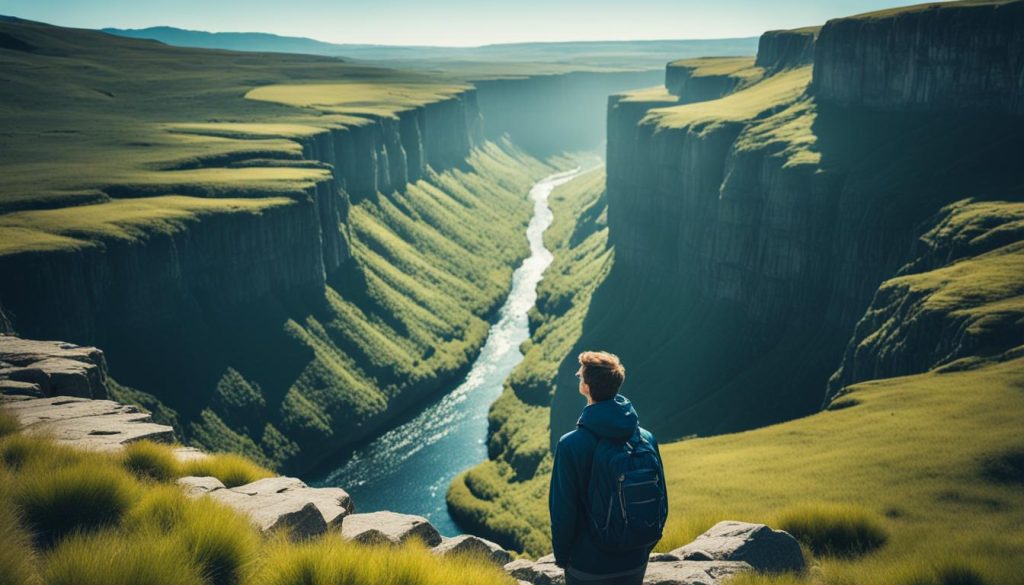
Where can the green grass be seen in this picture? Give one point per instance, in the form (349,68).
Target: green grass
(149,460)
(110,558)
(718,66)
(129,219)
(70,517)
(8,424)
(505,497)
(333,561)
(744,105)
(834,530)
(79,498)
(357,97)
(231,469)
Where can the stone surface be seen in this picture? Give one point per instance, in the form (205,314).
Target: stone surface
(762,547)
(389,528)
(195,486)
(279,502)
(57,367)
(99,425)
(670,572)
(473,545)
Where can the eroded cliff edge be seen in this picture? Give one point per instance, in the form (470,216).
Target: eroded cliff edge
(752,231)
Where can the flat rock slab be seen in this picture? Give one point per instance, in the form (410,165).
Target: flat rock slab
(98,425)
(545,572)
(278,503)
(473,545)
(55,367)
(389,528)
(760,546)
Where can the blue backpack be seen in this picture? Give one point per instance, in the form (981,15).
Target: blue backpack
(627,505)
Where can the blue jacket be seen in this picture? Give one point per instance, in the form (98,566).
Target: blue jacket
(570,475)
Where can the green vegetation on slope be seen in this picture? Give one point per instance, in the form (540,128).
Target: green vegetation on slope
(505,497)
(71,517)
(408,313)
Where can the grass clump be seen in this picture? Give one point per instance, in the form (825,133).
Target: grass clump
(8,424)
(113,558)
(16,554)
(333,561)
(19,451)
(834,530)
(79,498)
(149,460)
(232,470)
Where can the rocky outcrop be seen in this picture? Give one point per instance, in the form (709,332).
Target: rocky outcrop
(661,570)
(782,49)
(389,528)
(467,544)
(278,503)
(51,368)
(948,56)
(761,547)
(100,425)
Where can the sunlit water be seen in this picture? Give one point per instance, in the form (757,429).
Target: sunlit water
(408,469)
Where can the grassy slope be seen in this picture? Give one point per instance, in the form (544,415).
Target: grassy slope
(92,114)
(81,518)
(505,497)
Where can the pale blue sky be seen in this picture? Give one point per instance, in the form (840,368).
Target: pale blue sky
(452,22)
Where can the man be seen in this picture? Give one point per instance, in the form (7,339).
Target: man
(609,416)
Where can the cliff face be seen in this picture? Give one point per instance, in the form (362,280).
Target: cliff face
(782,49)
(751,232)
(958,56)
(550,114)
(699,80)
(959,297)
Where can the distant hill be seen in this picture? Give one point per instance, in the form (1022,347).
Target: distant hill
(601,54)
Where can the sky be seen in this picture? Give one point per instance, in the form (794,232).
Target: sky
(452,22)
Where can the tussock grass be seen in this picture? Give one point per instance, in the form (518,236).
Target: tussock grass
(149,460)
(8,424)
(833,529)
(333,561)
(232,470)
(17,559)
(78,498)
(18,451)
(113,558)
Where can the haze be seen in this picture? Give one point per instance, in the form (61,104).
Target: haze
(452,22)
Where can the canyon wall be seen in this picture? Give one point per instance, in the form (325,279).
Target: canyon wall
(964,56)
(781,49)
(751,232)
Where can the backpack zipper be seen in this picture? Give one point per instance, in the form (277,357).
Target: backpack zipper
(622,501)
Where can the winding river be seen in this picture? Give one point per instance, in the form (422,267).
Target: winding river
(408,468)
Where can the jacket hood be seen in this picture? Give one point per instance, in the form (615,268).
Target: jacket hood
(615,418)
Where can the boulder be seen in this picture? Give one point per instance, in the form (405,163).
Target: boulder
(537,573)
(763,548)
(661,572)
(300,518)
(197,486)
(473,545)
(57,367)
(389,528)
(277,503)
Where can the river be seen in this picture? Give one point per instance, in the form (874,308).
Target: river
(408,468)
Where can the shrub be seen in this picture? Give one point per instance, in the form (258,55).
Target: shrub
(114,558)
(82,497)
(8,424)
(149,460)
(835,530)
(233,470)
